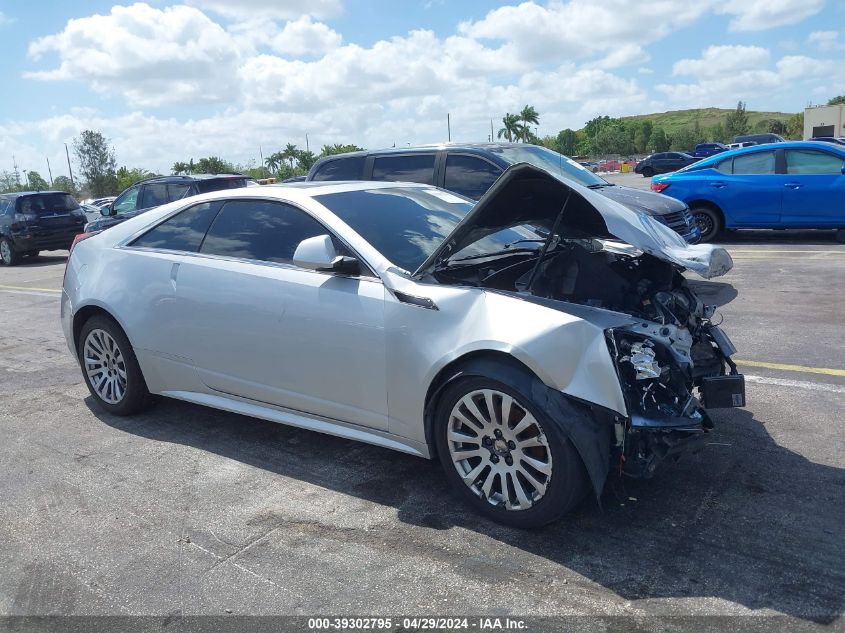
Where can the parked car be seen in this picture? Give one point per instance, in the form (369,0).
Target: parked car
(609,165)
(829,139)
(34,221)
(759,139)
(790,185)
(526,341)
(471,169)
(590,165)
(154,192)
(703,150)
(742,144)
(100,202)
(663,162)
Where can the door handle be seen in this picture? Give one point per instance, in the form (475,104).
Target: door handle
(718,184)
(793,185)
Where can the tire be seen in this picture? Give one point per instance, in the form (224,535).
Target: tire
(708,221)
(122,390)
(648,172)
(32,253)
(560,480)
(8,255)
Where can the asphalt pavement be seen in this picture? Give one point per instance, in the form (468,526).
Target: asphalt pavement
(187,510)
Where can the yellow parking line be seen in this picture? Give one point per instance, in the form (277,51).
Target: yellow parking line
(784,367)
(29,288)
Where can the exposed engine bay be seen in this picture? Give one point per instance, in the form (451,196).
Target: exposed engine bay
(671,359)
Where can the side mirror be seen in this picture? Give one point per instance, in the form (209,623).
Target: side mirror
(843,169)
(107,210)
(319,253)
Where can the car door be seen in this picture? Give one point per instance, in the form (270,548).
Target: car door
(469,175)
(659,163)
(814,190)
(748,190)
(257,327)
(127,202)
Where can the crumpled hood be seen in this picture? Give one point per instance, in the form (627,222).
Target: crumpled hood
(526,194)
(643,200)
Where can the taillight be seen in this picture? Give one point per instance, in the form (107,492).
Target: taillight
(659,186)
(79,237)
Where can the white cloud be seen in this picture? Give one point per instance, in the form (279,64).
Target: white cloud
(5,19)
(826,40)
(304,37)
(148,56)
(726,74)
(582,28)
(760,15)
(271,9)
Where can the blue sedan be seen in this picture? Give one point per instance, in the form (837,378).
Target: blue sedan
(792,185)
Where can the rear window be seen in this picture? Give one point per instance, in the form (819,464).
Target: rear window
(218,184)
(350,168)
(44,203)
(405,168)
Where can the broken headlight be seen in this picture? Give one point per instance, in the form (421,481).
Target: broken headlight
(643,359)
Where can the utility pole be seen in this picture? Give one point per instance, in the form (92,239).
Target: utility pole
(449,126)
(49,171)
(15,170)
(69,170)
(491,131)
(307,147)
(263,168)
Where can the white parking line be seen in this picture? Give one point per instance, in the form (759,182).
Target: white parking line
(54,294)
(797,384)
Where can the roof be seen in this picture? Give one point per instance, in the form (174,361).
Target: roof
(431,146)
(195,177)
(767,146)
(18,194)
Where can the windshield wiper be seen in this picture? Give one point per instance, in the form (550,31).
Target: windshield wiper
(599,185)
(504,251)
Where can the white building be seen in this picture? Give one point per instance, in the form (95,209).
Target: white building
(824,121)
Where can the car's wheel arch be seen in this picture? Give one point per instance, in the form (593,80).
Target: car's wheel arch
(86,312)
(589,434)
(708,204)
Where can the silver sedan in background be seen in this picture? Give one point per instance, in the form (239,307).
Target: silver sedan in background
(531,342)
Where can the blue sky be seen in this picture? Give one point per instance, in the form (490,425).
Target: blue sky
(167,81)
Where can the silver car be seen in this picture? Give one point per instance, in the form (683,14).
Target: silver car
(533,342)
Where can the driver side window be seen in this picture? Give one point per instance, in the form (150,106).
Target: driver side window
(127,201)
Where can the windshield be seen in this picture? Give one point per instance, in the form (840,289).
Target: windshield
(47,203)
(406,224)
(550,160)
(218,184)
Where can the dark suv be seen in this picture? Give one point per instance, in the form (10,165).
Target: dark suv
(471,169)
(37,221)
(154,192)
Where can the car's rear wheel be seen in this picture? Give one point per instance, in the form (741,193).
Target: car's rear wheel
(110,368)
(648,172)
(8,255)
(708,221)
(505,456)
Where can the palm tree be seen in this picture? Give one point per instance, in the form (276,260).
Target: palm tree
(273,162)
(290,153)
(528,116)
(512,129)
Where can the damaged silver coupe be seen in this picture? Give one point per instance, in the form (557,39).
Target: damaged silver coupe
(533,342)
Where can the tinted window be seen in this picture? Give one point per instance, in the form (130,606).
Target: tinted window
(183,232)
(405,168)
(218,184)
(128,200)
(178,191)
(256,229)
(803,161)
(725,166)
(153,195)
(47,203)
(469,176)
(406,225)
(350,168)
(756,163)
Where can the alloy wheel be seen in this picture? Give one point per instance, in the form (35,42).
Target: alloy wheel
(499,449)
(105,366)
(705,223)
(5,252)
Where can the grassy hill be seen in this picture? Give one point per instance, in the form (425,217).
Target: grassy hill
(676,120)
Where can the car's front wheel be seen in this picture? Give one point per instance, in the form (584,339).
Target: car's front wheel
(708,221)
(110,368)
(505,456)
(8,255)
(648,172)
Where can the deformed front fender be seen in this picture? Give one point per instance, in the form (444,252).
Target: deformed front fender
(588,432)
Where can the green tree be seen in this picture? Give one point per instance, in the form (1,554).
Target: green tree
(528,116)
(305,160)
(567,142)
(290,154)
(127,177)
(212,165)
(9,182)
(512,129)
(180,168)
(36,182)
(594,126)
(716,133)
(658,141)
(613,139)
(96,162)
(339,148)
(273,162)
(736,123)
(795,127)
(840,100)
(63,183)
(684,140)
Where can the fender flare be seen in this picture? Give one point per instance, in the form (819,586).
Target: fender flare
(589,433)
